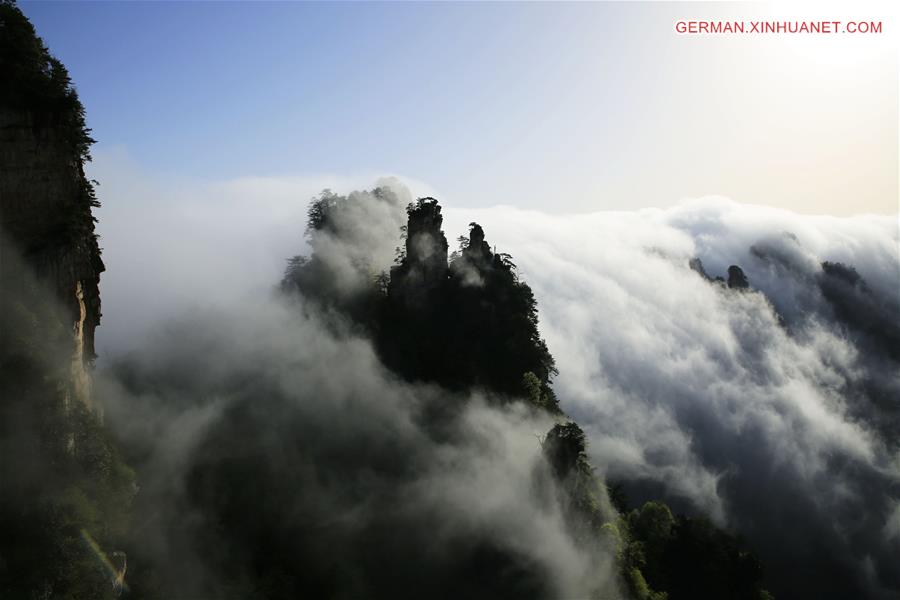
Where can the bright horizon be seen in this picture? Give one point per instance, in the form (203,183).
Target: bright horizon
(566,108)
(644,344)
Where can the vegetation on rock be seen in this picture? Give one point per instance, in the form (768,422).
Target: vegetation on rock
(462,322)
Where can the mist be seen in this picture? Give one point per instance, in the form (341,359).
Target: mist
(172,245)
(353,481)
(772,410)
(271,413)
(300,388)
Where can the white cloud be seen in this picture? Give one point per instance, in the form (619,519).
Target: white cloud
(755,408)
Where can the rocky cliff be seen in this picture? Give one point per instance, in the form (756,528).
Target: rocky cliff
(45,198)
(66,492)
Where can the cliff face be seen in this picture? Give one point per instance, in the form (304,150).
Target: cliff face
(45,198)
(67,493)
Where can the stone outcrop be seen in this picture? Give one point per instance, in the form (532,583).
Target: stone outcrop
(737,279)
(478,250)
(423,269)
(696,265)
(471,265)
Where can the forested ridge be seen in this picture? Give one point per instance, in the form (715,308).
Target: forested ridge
(467,320)
(354,448)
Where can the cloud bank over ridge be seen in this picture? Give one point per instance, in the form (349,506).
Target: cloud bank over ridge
(773,410)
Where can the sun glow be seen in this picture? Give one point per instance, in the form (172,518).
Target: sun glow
(860,31)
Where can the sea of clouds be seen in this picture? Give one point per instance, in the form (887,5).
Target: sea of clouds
(764,409)
(774,411)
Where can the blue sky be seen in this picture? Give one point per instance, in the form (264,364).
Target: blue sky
(549,106)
